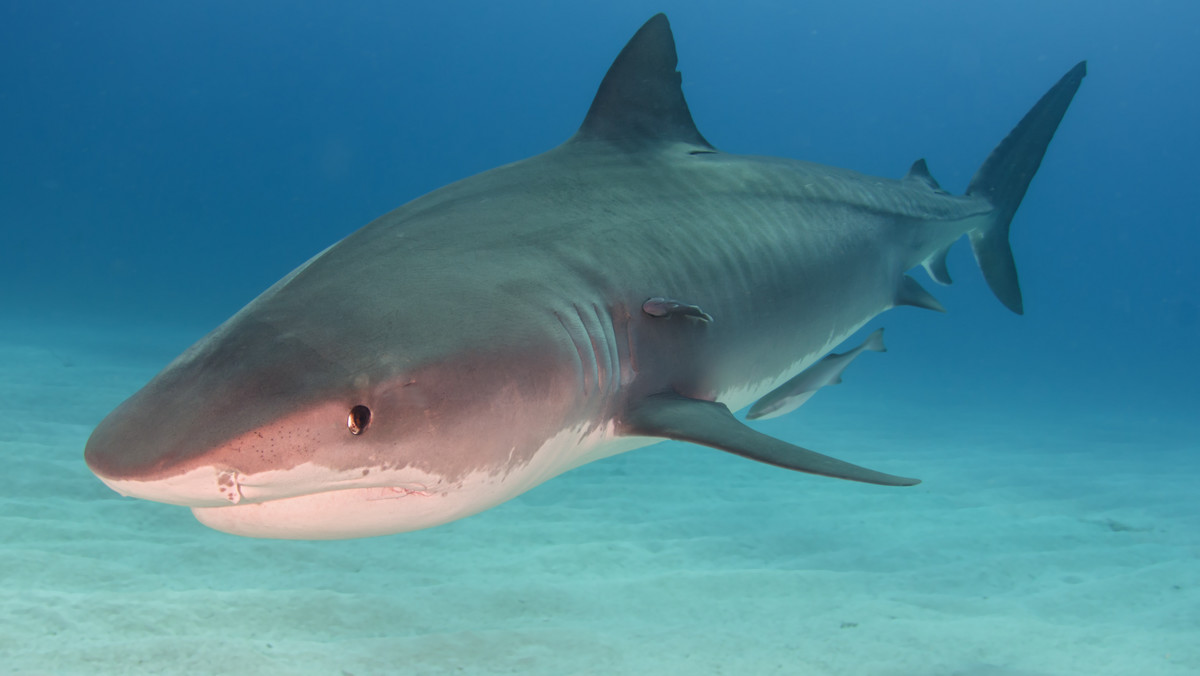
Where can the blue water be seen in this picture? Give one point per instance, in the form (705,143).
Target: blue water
(171,160)
(162,163)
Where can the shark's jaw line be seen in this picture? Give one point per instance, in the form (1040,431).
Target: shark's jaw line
(632,285)
(354,504)
(422,500)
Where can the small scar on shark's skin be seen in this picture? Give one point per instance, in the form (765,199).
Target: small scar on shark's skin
(663,308)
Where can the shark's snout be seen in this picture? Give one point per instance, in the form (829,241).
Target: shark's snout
(134,461)
(128,445)
(244,401)
(217,467)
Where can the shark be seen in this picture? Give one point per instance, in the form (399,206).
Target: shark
(632,285)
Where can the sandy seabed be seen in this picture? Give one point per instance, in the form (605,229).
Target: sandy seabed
(1033,548)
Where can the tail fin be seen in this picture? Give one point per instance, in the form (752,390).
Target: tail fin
(1004,178)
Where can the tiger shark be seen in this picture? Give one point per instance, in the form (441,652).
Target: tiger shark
(631,285)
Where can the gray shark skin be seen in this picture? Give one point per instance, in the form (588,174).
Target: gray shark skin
(631,285)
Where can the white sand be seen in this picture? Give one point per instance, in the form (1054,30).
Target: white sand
(1032,548)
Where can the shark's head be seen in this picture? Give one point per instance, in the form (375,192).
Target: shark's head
(318,413)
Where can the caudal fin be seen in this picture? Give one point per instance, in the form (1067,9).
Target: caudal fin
(1004,178)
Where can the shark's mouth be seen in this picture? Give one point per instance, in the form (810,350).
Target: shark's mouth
(312,502)
(217,486)
(343,514)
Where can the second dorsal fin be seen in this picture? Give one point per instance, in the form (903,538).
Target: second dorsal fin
(640,101)
(920,172)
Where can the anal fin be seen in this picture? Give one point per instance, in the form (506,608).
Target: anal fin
(710,423)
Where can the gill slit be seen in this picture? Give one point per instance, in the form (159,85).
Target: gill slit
(593,329)
(612,362)
(580,355)
(603,347)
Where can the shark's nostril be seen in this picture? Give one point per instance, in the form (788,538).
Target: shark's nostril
(359,418)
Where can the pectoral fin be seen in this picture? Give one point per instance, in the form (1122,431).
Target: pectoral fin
(709,423)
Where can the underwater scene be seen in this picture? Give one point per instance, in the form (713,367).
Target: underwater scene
(636,396)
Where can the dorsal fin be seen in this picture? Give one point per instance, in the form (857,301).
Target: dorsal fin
(920,172)
(640,101)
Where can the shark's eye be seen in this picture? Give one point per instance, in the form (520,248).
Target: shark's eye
(359,418)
